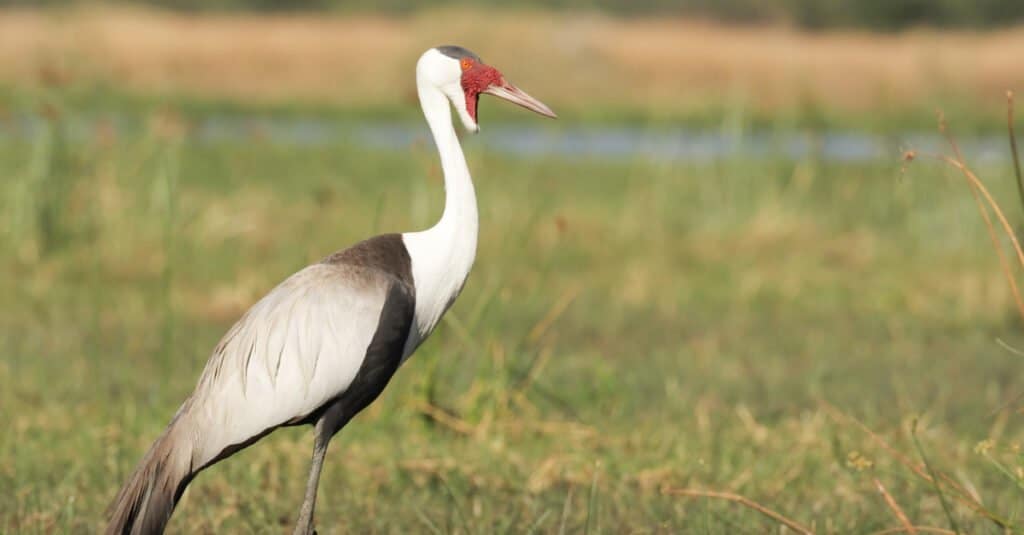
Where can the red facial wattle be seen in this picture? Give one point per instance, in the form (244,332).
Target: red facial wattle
(476,78)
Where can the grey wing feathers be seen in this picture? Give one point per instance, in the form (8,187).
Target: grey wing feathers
(301,346)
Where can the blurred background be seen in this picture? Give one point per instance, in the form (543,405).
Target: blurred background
(716,271)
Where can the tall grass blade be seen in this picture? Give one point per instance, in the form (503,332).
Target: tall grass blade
(592,504)
(427,522)
(935,480)
(566,507)
(1013,146)
(537,523)
(457,504)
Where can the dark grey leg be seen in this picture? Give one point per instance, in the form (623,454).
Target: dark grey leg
(305,524)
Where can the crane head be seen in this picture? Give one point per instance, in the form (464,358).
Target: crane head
(463,77)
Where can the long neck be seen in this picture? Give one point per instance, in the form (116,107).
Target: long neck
(443,255)
(459,220)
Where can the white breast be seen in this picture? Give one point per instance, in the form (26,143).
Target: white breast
(440,266)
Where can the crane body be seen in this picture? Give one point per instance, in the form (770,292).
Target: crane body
(323,344)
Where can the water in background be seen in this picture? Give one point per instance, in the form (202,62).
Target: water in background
(552,139)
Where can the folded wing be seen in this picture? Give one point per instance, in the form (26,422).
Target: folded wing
(298,349)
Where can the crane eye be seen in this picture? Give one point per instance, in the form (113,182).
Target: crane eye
(466,63)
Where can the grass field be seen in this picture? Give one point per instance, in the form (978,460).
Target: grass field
(631,327)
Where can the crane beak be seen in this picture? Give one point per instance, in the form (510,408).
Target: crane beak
(515,95)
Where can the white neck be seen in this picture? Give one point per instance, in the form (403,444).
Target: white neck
(460,197)
(443,254)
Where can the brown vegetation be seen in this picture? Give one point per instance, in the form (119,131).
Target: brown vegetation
(639,63)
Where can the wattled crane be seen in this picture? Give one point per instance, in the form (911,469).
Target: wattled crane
(323,344)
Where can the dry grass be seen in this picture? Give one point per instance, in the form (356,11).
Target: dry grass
(746,502)
(587,58)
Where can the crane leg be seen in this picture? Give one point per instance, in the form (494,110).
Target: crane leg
(305,524)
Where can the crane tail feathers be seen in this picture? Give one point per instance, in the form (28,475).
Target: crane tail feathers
(145,503)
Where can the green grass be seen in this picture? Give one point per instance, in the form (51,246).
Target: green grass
(628,326)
